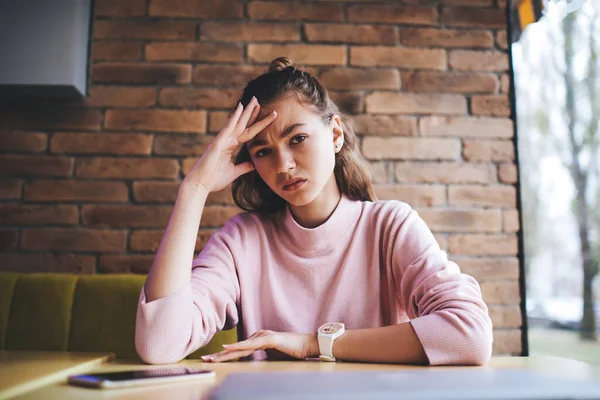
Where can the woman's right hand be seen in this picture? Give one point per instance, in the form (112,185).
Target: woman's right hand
(215,169)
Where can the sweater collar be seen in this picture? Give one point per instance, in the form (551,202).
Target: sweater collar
(325,236)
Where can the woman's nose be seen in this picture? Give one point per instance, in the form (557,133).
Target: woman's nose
(285,162)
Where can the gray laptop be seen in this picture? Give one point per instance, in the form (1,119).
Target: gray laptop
(463,384)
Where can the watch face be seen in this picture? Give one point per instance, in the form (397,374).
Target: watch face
(329,329)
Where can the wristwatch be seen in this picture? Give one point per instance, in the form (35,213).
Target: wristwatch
(327,334)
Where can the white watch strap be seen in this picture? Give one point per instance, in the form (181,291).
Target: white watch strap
(326,348)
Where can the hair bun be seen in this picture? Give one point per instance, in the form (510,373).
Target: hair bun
(279,64)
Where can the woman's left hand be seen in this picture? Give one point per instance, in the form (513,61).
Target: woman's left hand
(296,345)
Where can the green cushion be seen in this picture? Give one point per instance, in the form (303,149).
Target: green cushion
(40,313)
(104,312)
(8,281)
(60,312)
(216,344)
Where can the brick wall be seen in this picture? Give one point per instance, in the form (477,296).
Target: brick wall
(89,187)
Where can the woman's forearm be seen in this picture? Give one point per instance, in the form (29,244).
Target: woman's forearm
(171,269)
(389,344)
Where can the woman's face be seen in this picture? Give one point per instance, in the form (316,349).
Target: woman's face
(298,144)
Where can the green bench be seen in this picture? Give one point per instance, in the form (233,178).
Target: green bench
(79,313)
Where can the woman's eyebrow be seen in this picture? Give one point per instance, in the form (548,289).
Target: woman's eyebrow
(287,131)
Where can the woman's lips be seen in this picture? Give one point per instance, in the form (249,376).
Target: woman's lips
(294,186)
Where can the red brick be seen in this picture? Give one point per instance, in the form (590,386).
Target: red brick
(23,142)
(236,76)
(500,128)
(467,60)
(119,8)
(158,74)
(27,215)
(181,144)
(381,172)
(495,106)
(505,316)
(488,150)
(116,51)
(22,166)
(134,29)
(48,262)
(501,292)
(393,14)
(197,8)
(190,97)
(249,32)
(489,268)
(348,102)
(504,83)
(427,37)
(480,3)
(75,191)
(216,216)
(9,239)
(473,17)
(458,82)
(125,263)
(149,240)
(107,143)
(442,240)
(74,239)
(449,220)
(444,172)
(120,96)
(415,195)
(351,78)
(49,116)
(484,245)
(410,148)
(385,125)
(402,57)
(507,173)
(502,40)
(126,168)
(507,342)
(483,196)
(510,221)
(194,51)
(223,196)
(356,34)
(217,120)
(125,216)
(410,103)
(157,120)
(10,188)
(155,191)
(294,11)
(313,54)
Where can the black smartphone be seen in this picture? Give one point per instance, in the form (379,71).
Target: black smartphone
(121,379)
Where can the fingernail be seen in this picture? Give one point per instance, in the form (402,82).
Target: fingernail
(226,345)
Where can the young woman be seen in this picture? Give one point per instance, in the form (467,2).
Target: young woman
(316,267)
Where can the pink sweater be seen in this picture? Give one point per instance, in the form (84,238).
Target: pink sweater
(371,264)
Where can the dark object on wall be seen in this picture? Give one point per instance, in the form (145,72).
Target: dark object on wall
(44,48)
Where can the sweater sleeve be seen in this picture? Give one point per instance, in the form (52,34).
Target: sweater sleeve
(170,328)
(445,306)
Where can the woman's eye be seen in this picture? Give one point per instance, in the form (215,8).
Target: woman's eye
(260,153)
(299,136)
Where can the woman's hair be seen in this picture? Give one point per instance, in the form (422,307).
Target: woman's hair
(352,172)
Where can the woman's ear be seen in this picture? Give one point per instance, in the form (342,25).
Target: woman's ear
(338,132)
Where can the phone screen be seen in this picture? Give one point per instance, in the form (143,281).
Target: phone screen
(114,378)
